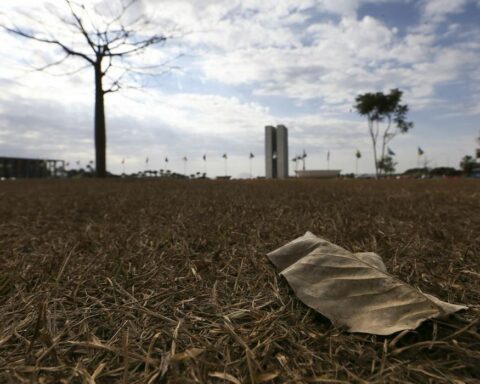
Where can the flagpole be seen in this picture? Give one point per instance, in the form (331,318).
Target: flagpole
(251,174)
(356,166)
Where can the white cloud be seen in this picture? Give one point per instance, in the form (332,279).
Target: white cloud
(437,10)
(340,7)
(342,60)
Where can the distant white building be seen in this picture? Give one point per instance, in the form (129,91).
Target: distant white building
(319,174)
(276,152)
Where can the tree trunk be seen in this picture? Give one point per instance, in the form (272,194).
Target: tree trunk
(100,129)
(385,141)
(375,157)
(374,142)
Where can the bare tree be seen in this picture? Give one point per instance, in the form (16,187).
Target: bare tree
(104,41)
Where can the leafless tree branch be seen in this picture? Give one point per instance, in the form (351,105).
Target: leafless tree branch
(66,49)
(50,65)
(81,27)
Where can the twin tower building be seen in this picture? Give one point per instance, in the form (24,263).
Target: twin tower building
(276,152)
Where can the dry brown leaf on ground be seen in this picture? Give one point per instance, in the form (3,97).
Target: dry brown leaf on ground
(354,290)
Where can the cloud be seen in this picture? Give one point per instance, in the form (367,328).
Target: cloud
(340,7)
(342,60)
(301,72)
(436,11)
(256,44)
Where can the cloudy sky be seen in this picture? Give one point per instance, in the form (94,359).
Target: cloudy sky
(234,66)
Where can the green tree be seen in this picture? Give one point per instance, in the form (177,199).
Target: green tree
(467,164)
(386,118)
(105,42)
(387,165)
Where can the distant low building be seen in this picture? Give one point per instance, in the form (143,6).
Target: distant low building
(16,167)
(319,174)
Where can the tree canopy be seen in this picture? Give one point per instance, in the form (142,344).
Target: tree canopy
(468,164)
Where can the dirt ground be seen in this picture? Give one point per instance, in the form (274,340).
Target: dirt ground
(163,281)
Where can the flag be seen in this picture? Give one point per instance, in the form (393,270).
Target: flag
(185,158)
(304,155)
(420,151)
(294,159)
(390,152)
(358,154)
(224,156)
(204,157)
(123,161)
(251,155)
(166,159)
(146,160)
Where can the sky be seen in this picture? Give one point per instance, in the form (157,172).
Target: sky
(229,68)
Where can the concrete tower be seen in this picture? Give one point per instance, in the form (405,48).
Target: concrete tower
(276,152)
(270,152)
(282,152)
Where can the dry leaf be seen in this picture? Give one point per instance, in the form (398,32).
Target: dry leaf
(354,290)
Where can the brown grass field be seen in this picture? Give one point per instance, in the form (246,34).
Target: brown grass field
(163,281)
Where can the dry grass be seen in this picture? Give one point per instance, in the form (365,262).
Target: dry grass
(167,281)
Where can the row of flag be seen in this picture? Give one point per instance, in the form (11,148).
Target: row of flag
(358,154)
(390,152)
(185,158)
(303,156)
